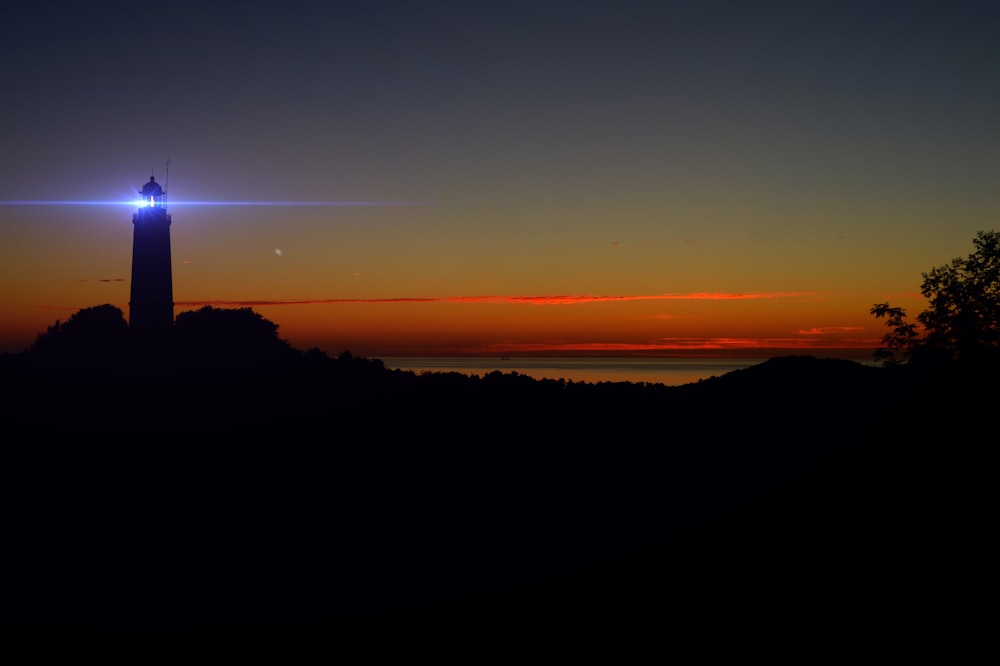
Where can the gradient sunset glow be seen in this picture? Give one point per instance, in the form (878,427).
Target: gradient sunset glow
(450,178)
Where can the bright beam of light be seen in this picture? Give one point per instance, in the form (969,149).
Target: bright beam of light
(134,204)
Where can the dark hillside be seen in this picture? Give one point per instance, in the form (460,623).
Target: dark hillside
(337,489)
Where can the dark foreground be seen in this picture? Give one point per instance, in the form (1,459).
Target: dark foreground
(796,494)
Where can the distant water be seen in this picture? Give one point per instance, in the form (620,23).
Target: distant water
(669,371)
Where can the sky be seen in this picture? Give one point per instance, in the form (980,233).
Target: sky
(500,178)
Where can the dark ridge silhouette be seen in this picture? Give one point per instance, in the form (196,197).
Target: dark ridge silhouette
(223,477)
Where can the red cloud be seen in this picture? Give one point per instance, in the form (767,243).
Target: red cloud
(826,330)
(560,299)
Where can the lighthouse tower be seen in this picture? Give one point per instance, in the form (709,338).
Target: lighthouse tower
(151,304)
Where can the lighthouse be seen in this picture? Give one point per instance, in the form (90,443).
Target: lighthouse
(151,302)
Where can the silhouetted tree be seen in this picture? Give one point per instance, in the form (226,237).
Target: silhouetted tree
(227,338)
(315,356)
(92,341)
(899,342)
(962,321)
(97,328)
(349,366)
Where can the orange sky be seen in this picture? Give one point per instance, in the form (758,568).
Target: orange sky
(620,176)
(337,286)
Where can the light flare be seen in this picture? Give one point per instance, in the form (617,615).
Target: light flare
(133,204)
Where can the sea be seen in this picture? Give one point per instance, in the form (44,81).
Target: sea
(668,371)
(673,371)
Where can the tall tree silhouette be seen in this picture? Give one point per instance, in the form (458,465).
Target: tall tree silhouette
(962,320)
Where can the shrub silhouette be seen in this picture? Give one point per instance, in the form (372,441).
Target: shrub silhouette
(226,338)
(95,344)
(93,340)
(102,327)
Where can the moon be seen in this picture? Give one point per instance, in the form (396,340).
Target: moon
(277,251)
